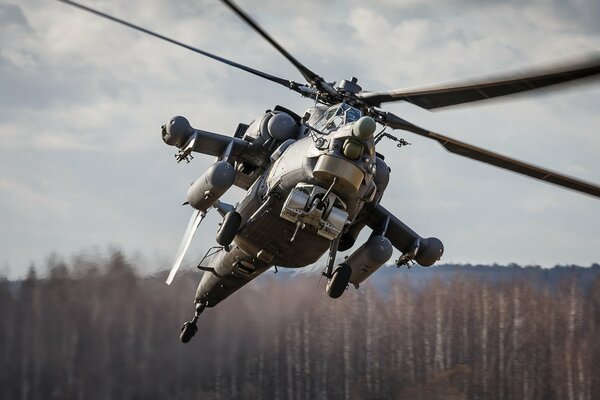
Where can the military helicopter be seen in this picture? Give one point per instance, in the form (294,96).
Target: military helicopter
(314,181)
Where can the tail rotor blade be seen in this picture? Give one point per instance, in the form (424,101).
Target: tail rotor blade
(195,220)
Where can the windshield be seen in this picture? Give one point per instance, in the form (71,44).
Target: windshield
(336,116)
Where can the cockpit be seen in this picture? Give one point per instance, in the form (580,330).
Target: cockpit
(336,116)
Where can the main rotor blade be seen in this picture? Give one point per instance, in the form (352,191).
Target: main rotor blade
(197,217)
(284,82)
(449,95)
(489,157)
(309,75)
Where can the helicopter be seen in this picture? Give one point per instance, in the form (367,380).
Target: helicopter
(315,180)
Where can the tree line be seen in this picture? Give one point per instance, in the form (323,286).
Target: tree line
(95,329)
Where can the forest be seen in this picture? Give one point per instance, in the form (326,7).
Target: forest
(94,328)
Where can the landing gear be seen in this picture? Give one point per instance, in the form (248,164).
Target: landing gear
(339,281)
(189,329)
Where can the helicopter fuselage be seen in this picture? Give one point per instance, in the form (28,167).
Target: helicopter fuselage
(308,195)
(312,185)
(292,186)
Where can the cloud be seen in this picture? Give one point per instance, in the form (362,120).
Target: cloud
(83,100)
(11,14)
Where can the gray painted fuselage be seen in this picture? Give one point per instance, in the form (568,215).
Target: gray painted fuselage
(265,238)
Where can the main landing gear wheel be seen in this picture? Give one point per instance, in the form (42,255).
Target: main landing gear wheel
(189,329)
(339,281)
(229,228)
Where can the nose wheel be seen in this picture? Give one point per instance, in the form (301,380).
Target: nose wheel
(189,328)
(339,281)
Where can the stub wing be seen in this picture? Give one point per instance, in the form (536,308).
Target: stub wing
(179,133)
(425,251)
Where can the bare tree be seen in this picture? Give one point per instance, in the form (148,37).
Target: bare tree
(95,329)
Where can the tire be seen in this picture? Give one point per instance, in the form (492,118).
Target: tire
(229,228)
(188,331)
(339,281)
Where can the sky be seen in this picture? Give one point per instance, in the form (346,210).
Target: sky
(82,100)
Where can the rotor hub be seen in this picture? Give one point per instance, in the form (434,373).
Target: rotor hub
(350,86)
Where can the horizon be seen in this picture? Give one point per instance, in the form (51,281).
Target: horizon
(80,263)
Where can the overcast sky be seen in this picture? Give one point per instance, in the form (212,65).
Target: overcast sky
(82,101)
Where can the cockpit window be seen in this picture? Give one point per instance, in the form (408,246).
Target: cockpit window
(352,114)
(336,116)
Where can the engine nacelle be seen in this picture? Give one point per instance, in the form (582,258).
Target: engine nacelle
(282,127)
(177,131)
(381,178)
(213,183)
(273,125)
(369,257)
(430,250)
